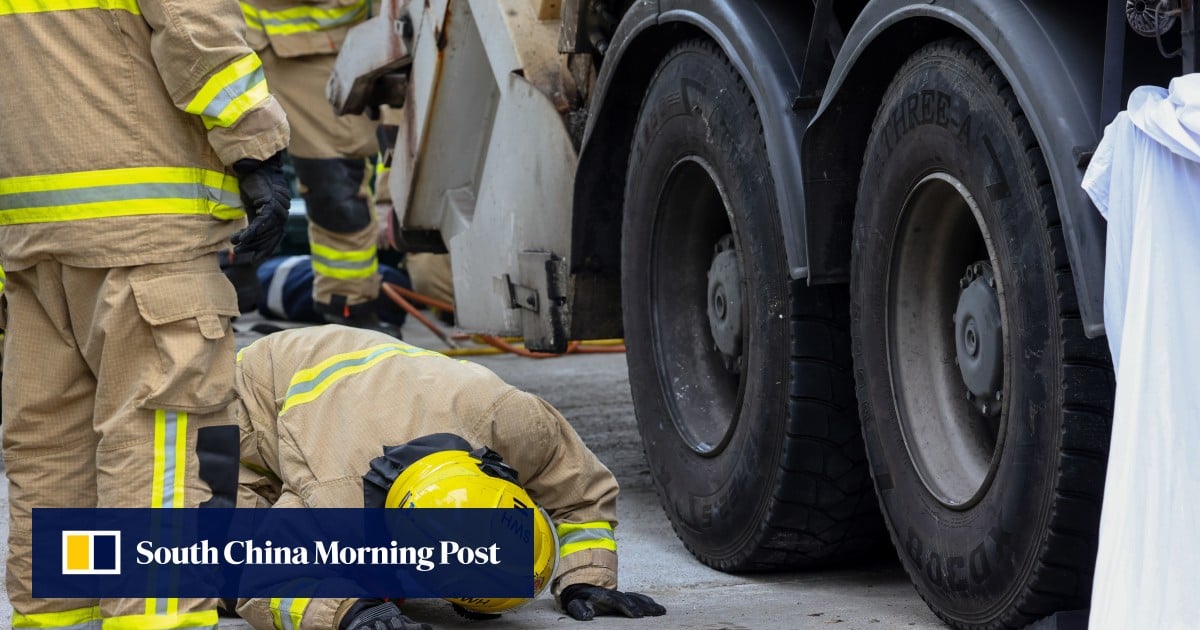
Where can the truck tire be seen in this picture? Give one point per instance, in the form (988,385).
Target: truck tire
(986,412)
(740,378)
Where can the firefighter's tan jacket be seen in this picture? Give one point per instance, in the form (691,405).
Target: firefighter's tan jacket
(316,405)
(294,28)
(119,120)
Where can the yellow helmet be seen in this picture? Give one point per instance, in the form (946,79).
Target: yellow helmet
(458,479)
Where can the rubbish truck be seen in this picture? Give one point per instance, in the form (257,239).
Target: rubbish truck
(845,242)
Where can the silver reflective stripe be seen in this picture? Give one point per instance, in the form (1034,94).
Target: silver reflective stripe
(318,23)
(285,613)
(168,483)
(233,91)
(275,292)
(304,387)
(344,264)
(169,457)
(120,192)
(581,535)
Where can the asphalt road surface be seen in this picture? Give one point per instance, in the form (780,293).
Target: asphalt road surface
(592,391)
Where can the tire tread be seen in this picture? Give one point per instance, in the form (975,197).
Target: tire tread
(1087,383)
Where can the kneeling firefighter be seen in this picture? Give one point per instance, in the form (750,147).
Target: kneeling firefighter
(338,417)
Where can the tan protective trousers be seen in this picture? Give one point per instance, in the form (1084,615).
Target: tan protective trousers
(108,375)
(344,259)
(431,275)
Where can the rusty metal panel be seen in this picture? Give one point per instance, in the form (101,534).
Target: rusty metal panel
(547,9)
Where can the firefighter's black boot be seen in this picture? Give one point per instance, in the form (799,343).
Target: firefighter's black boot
(357,316)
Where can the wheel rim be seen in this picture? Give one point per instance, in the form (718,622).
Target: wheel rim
(697,310)
(946,340)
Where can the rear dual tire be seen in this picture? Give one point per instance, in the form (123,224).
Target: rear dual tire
(750,477)
(986,411)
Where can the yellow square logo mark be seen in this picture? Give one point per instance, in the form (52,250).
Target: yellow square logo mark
(79,552)
(91,552)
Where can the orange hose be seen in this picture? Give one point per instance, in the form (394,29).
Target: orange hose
(398,294)
(424,299)
(389,290)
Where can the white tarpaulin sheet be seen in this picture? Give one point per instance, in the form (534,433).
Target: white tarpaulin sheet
(1145,179)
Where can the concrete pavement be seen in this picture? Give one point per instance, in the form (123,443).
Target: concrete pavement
(592,391)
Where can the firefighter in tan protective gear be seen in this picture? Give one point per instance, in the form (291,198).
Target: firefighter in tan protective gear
(317,405)
(299,41)
(138,138)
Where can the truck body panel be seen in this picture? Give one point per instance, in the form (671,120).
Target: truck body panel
(482,154)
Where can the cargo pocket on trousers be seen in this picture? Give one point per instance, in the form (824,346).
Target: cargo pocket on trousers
(189,315)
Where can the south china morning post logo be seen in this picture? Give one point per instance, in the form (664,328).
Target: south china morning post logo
(91,552)
(372,553)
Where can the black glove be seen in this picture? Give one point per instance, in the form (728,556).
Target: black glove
(372,614)
(584,601)
(266,198)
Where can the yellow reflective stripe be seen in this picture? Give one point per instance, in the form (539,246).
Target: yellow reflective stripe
(68,619)
(308,384)
(353,255)
(303,19)
(575,537)
(344,265)
(104,210)
(181,453)
(160,462)
(206,619)
(251,15)
(170,458)
(231,92)
(309,12)
(167,484)
(570,548)
(118,176)
(562,529)
(10,7)
(286,612)
(247,101)
(345,274)
(118,192)
(330,271)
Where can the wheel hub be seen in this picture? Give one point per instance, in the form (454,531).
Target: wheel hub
(725,302)
(979,339)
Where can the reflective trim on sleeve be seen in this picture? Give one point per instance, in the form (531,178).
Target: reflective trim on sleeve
(303,19)
(118,192)
(348,265)
(253,22)
(76,619)
(10,7)
(573,537)
(310,383)
(286,612)
(206,619)
(230,93)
